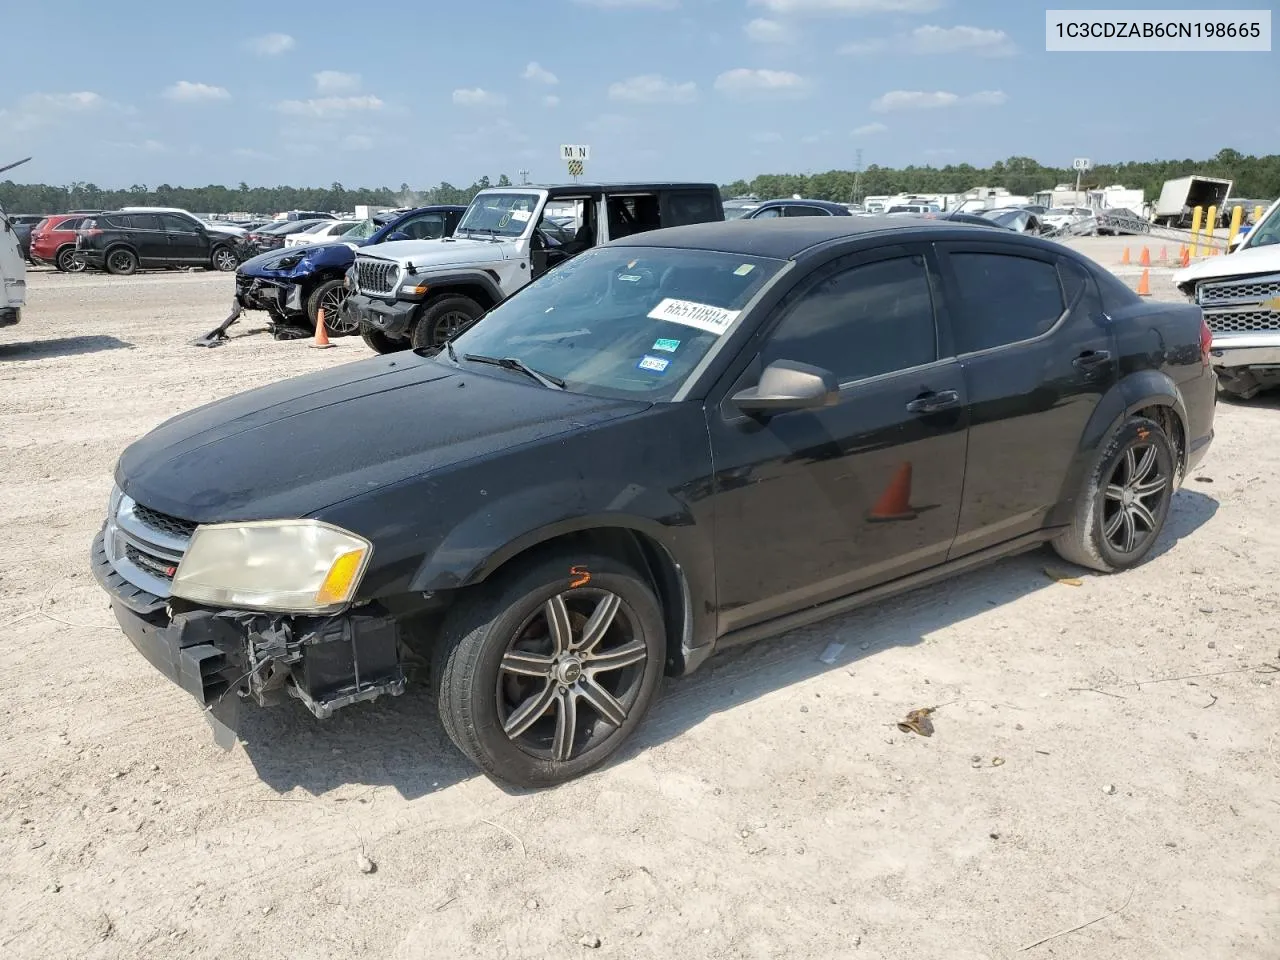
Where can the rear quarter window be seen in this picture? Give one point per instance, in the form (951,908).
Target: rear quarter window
(691,206)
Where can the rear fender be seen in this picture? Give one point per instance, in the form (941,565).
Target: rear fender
(1137,391)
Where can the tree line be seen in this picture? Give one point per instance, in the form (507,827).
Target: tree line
(1254,177)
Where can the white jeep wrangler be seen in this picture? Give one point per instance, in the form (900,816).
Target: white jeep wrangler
(419,293)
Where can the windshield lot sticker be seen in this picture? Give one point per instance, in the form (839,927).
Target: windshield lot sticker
(656,364)
(630,277)
(743,270)
(665,345)
(521,215)
(701,316)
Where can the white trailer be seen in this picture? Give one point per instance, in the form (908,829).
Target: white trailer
(1178,198)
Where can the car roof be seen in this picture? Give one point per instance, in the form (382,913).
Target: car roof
(823,204)
(599,185)
(790,238)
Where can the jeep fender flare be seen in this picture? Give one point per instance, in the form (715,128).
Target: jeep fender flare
(451,282)
(1137,391)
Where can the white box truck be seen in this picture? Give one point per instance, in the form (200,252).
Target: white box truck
(1178,198)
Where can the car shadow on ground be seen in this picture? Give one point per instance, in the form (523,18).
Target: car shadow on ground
(1266,400)
(399,742)
(63,347)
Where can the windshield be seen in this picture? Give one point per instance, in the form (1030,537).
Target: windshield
(1266,231)
(628,322)
(505,214)
(361,231)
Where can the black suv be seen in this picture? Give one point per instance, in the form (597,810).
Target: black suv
(676,442)
(121,242)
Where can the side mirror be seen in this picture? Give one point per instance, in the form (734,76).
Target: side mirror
(786,385)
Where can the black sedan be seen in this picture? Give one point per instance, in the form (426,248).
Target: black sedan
(676,442)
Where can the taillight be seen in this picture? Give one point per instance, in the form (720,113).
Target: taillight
(1206,341)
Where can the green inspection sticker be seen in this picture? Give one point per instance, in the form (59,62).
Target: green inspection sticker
(670,346)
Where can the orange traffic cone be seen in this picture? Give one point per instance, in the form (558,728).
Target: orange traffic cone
(895,502)
(322,335)
(1144,259)
(1144,285)
(1186,256)
(1124,257)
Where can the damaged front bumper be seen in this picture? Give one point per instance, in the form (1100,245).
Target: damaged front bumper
(278,297)
(221,657)
(392,317)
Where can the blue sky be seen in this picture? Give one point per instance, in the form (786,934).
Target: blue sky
(380,93)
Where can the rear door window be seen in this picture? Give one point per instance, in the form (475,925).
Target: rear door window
(803,211)
(140,221)
(1004,298)
(631,214)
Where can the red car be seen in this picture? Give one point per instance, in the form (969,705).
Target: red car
(54,241)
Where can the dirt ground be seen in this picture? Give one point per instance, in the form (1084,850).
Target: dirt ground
(1105,754)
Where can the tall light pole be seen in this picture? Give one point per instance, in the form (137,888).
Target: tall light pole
(857,176)
(524,177)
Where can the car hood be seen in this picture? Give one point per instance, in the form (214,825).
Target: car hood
(292,448)
(312,257)
(447,251)
(1241,263)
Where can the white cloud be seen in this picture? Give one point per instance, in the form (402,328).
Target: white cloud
(42,109)
(65,102)
(322,107)
(653,88)
(335,81)
(766,136)
(859,48)
(185,91)
(869,129)
(984,43)
(620,4)
(924,100)
(477,97)
(840,7)
(743,82)
(271,44)
(357,141)
(761,30)
(539,74)
(145,146)
(987,98)
(551,101)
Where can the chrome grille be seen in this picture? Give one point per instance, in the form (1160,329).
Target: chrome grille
(1245,290)
(1243,321)
(144,546)
(376,276)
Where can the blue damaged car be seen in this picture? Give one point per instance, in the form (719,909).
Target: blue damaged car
(294,284)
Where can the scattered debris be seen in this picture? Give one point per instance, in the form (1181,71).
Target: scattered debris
(1096,690)
(1204,479)
(1213,645)
(832,653)
(804,709)
(1088,923)
(531,904)
(589,940)
(918,722)
(509,833)
(1109,789)
(994,836)
(1213,698)
(365,864)
(444,903)
(1063,577)
(997,761)
(975,762)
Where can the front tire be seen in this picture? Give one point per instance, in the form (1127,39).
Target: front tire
(329,296)
(443,318)
(224,259)
(379,342)
(122,262)
(1125,502)
(545,671)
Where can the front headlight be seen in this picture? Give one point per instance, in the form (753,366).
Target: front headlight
(283,566)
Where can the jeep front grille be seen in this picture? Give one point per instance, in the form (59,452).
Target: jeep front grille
(376,276)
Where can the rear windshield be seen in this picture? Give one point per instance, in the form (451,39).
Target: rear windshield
(630,322)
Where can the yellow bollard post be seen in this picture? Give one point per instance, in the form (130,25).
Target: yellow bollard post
(1237,215)
(1196,214)
(1210,222)
(1257,214)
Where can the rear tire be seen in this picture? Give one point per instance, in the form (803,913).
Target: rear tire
(442,318)
(67,261)
(498,659)
(224,259)
(379,342)
(122,262)
(1126,498)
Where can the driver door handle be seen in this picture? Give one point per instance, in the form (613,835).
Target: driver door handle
(1091,359)
(934,402)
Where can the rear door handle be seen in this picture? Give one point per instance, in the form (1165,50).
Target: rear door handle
(934,402)
(1092,358)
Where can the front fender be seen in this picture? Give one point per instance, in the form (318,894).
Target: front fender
(1144,388)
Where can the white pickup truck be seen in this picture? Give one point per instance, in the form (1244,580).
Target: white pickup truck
(1240,297)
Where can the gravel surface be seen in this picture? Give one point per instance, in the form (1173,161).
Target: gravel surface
(1107,750)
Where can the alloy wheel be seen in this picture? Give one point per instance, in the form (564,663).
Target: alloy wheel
(121,261)
(571,674)
(1133,498)
(334,320)
(448,327)
(224,260)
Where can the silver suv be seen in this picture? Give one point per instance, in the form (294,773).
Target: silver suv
(419,293)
